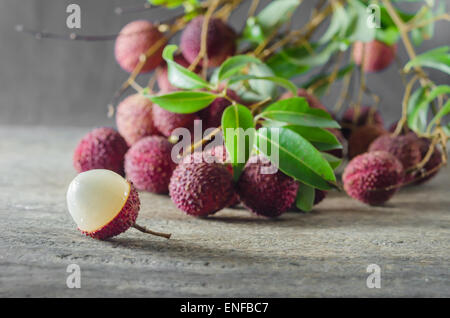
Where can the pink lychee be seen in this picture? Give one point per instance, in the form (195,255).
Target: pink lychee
(378,55)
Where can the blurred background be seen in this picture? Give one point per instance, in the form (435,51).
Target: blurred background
(60,83)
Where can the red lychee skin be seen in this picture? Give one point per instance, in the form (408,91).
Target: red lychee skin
(434,161)
(122,221)
(166,122)
(212,115)
(221,41)
(134,118)
(148,164)
(162,75)
(201,189)
(135,39)
(312,100)
(373,177)
(378,55)
(268,195)
(102,148)
(405,148)
(339,153)
(366,116)
(361,139)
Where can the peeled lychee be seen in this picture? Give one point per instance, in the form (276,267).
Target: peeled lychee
(102,148)
(167,122)
(378,55)
(405,148)
(162,74)
(312,100)
(212,115)
(201,189)
(365,115)
(220,43)
(103,204)
(373,177)
(134,118)
(361,139)
(133,41)
(268,195)
(149,165)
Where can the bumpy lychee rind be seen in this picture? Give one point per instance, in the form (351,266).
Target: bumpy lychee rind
(377,55)
(352,119)
(102,148)
(201,189)
(134,118)
(220,43)
(361,139)
(268,195)
(431,167)
(373,177)
(134,40)
(148,164)
(162,74)
(122,221)
(405,148)
(166,122)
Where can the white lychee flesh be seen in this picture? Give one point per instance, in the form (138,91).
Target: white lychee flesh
(95,197)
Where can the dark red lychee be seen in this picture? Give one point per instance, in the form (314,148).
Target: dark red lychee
(162,75)
(220,43)
(361,139)
(133,41)
(373,177)
(405,148)
(212,115)
(378,55)
(102,148)
(166,122)
(432,166)
(149,164)
(134,118)
(201,189)
(354,118)
(268,195)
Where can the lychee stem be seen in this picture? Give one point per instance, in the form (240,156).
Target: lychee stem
(145,230)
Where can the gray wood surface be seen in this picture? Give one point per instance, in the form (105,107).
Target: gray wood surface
(324,253)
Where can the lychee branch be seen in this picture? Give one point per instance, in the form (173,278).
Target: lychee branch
(145,230)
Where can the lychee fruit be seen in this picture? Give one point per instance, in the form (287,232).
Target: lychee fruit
(162,74)
(373,177)
(166,122)
(405,148)
(365,115)
(102,148)
(201,189)
(212,115)
(431,168)
(134,118)
(378,55)
(133,41)
(220,41)
(268,195)
(362,137)
(312,100)
(103,204)
(149,164)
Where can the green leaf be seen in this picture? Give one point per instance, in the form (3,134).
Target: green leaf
(334,161)
(319,89)
(441,113)
(305,197)
(359,29)
(277,80)
(296,111)
(338,23)
(417,119)
(239,132)
(179,76)
(438,58)
(253,32)
(275,13)
(234,64)
(184,102)
(296,156)
(317,135)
